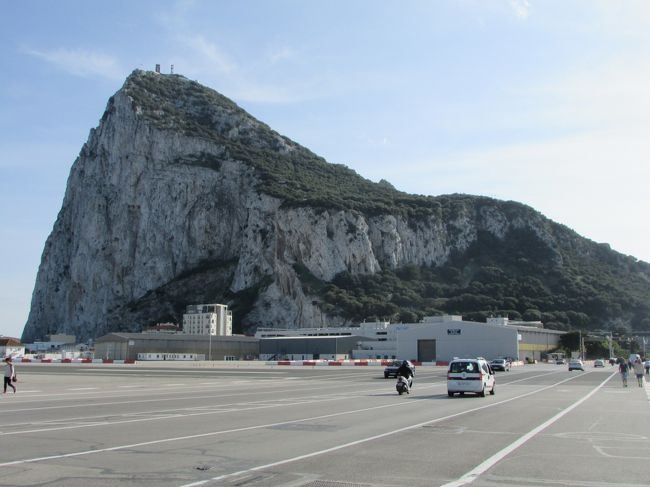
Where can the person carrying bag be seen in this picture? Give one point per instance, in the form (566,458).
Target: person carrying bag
(10,375)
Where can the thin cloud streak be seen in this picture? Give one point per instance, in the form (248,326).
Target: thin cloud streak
(208,51)
(521,7)
(79,62)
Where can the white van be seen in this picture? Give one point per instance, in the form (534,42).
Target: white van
(470,375)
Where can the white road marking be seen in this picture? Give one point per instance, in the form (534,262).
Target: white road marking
(82,389)
(74,423)
(160,399)
(183,412)
(269,425)
(365,440)
(473,474)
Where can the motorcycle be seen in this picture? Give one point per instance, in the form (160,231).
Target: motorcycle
(403,385)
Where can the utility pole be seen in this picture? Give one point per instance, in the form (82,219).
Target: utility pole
(580,344)
(610,338)
(210,344)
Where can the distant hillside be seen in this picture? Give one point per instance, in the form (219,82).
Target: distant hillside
(179,196)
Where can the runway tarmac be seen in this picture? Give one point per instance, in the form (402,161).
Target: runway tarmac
(260,426)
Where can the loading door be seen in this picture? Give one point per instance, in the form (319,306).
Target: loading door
(426,350)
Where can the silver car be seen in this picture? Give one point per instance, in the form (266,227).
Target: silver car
(576,365)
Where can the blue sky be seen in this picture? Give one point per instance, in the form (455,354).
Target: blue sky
(542,102)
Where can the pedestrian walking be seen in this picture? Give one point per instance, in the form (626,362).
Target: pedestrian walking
(647,366)
(622,368)
(638,371)
(10,375)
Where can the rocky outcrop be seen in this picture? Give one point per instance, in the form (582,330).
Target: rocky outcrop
(178,182)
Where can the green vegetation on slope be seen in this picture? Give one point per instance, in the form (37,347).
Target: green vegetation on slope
(286,170)
(510,277)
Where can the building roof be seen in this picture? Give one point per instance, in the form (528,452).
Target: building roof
(122,337)
(9,341)
(316,337)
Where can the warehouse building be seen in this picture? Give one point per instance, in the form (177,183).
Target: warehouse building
(134,346)
(441,338)
(308,347)
(438,338)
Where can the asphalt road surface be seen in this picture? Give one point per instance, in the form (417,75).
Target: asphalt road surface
(81,425)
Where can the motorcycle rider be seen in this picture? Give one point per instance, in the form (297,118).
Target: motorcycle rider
(405,370)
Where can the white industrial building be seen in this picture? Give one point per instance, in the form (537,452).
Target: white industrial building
(207,319)
(439,338)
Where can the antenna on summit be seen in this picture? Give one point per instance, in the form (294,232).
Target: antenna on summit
(158,68)
(172,70)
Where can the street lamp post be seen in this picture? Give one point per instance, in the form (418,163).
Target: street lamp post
(580,344)
(210,344)
(610,338)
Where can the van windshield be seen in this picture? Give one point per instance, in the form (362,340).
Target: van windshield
(459,367)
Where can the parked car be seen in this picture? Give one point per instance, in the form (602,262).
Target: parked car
(500,364)
(470,375)
(391,369)
(576,364)
(560,361)
(599,363)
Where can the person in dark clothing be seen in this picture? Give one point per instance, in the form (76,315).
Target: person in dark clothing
(10,375)
(406,371)
(623,369)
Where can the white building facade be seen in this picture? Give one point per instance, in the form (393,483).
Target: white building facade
(207,319)
(438,338)
(441,338)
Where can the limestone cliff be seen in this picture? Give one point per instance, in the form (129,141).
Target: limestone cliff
(179,196)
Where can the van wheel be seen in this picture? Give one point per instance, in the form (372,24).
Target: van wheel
(482,393)
(492,390)
(450,394)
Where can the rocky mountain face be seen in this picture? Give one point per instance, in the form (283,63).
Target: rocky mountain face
(180,197)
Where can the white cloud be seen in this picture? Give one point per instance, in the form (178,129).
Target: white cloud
(593,182)
(281,54)
(206,61)
(209,52)
(80,62)
(521,7)
(611,93)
